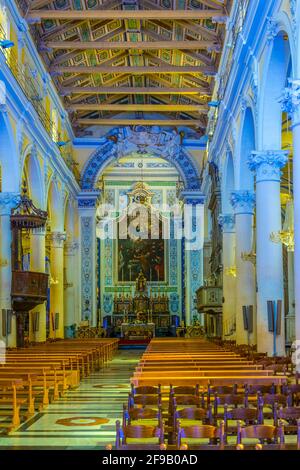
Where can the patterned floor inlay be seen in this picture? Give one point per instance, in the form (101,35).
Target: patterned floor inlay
(83,418)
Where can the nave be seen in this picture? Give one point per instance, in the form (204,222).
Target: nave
(179,394)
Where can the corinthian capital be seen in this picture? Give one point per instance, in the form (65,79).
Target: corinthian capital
(70,247)
(58,239)
(8,201)
(227,222)
(243,202)
(290,99)
(267,164)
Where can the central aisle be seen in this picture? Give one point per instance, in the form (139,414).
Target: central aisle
(83,418)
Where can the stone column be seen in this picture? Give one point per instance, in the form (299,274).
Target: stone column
(87,207)
(193,246)
(38,264)
(7,202)
(243,203)
(57,285)
(291,105)
(70,284)
(227,224)
(267,166)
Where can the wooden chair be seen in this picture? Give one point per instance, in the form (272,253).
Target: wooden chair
(255,389)
(214,435)
(144,400)
(182,390)
(137,414)
(294,391)
(137,432)
(144,390)
(228,400)
(263,433)
(272,401)
(249,416)
(291,418)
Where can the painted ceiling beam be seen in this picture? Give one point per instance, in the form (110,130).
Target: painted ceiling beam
(131,91)
(134,70)
(137,107)
(142,45)
(138,122)
(217,15)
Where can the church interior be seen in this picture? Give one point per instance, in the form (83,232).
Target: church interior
(149,225)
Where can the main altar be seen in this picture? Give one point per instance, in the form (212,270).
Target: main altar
(144,310)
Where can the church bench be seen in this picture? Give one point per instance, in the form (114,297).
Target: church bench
(205,381)
(149,368)
(12,404)
(71,376)
(199,373)
(56,371)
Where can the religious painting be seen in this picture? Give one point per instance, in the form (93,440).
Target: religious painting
(146,255)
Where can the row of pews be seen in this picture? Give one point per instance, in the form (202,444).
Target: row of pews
(31,378)
(196,361)
(197,395)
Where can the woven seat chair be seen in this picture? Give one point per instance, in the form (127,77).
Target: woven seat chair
(214,435)
(138,432)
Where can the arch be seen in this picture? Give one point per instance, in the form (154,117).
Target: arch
(55,207)
(247,145)
(8,156)
(105,154)
(33,172)
(276,73)
(227,183)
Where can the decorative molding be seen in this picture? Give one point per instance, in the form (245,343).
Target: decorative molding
(87,278)
(290,100)
(152,140)
(227,223)
(57,239)
(267,164)
(243,202)
(272,29)
(293,8)
(8,201)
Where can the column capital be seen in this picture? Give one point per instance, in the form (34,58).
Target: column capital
(70,247)
(267,164)
(7,202)
(290,99)
(58,239)
(243,202)
(227,223)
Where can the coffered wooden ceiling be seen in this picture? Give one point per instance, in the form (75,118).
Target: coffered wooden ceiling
(120,62)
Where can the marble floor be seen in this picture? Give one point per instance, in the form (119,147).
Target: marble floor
(83,418)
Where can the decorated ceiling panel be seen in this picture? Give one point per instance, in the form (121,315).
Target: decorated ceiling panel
(170,72)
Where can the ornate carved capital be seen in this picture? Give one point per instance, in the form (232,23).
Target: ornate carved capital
(290,99)
(227,222)
(7,202)
(272,29)
(243,202)
(267,164)
(71,247)
(58,239)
